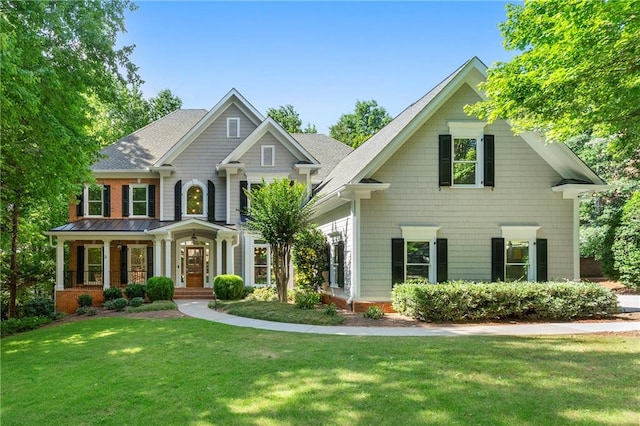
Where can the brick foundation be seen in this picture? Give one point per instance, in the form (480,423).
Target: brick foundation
(66,300)
(358,306)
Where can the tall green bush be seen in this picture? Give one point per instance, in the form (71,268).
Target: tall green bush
(112,293)
(309,257)
(228,287)
(626,248)
(160,288)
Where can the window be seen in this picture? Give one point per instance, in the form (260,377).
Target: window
(418,260)
(138,200)
(195,200)
(233,127)
(519,255)
(465,161)
(261,263)
(137,264)
(337,264)
(516,266)
(94,199)
(268,156)
(94,265)
(466,156)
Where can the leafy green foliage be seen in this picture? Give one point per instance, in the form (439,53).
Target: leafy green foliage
(84,300)
(135,290)
(464,301)
(309,255)
(373,312)
(626,249)
(264,294)
(576,71)
(277,311)
(331,309)
(18,325)
(290,120)
(160,288)
(279,211)
(39,306)
(355,128)
(136,301)
(228,287)
(112,293)
(158,305)
(116,304)
(306,299)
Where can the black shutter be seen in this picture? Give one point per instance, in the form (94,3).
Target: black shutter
(149,262)
(80,205)
(340,266)
(124,275)
(489,163)
(211,202)
(442,272)
(243,201)
(125,200)
(177,200)
(397,261)
(444,160)
(106,201)
(497,259)
(541,259)
(151,201)
(80,265)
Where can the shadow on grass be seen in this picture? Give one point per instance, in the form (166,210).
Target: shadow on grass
(188,371)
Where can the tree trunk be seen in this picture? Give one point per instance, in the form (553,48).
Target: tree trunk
(13,279)
(282,257)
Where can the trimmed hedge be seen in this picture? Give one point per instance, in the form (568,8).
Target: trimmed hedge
(18,325)
(228,287)
(112,293)
(159,288)
(134,290)
(465,301)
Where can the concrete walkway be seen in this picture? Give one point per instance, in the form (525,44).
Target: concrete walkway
(199,309)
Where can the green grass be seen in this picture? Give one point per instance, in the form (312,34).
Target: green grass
(185,371)
(158,305)
(276,311)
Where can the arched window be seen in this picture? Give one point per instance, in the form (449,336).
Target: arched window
(195,200)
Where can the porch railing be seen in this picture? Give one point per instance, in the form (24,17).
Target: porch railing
(94,279)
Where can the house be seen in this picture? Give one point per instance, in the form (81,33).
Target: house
(440,195)
(436,194)
(168,200)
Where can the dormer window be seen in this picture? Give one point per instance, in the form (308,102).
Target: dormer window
(466,156)
(268,156)
(233,127)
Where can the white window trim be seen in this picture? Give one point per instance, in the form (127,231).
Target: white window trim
(146,200)
(130,263)
(263,149)
(230,123)
(336,238)
(205,198)
(527,233)
(468,130)
(86,272)
(422,234)
(86,201)
(253,266)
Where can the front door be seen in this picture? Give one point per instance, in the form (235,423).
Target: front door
(195,267)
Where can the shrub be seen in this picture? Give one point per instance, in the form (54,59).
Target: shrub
(228,287)
(626,248)
(331,310)
(159,288)
(17,325)
(116,304)
(374,312)
(264,294)
(84,300)
(135,290)
(464,301)
(306,299)
(161,305)
(112,293)
(39,306)
(309,256)
(136,301)
(92,311)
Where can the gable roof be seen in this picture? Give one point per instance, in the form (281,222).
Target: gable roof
(328,151)
(144,147)
(374,152)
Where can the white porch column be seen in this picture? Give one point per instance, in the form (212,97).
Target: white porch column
(355,250)
(167,257)
(60,264)
(576,238)
(106,264)
(157,257)
(230,255)
(218,256)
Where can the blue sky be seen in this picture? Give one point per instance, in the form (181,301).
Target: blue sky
(319,57)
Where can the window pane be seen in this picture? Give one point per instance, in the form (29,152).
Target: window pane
(195,203)
(139,194)
(518,252)
(94,204)
(95,193)
(418,252)
(515,273)
(94,256)
(464,173)
(417,271)
(464,149)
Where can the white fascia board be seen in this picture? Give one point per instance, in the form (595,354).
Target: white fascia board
(228,169)
(579,190)
(362,191)
(96,235)
(163,171)
(188,224)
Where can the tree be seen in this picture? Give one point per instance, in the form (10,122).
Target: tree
(577,71)
(162,104)
(626,249)
(290,120)
(278,212)
(355,128)
(55,56)
(310,257)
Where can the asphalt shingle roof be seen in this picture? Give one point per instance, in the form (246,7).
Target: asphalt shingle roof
(328,151)
(144,147)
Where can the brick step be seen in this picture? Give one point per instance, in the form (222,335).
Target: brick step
(193,293)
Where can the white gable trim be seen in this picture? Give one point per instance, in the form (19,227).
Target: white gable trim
(189,224)
(231,98)
(270,126)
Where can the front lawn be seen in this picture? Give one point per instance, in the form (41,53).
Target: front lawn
(277,311)
(124,370)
